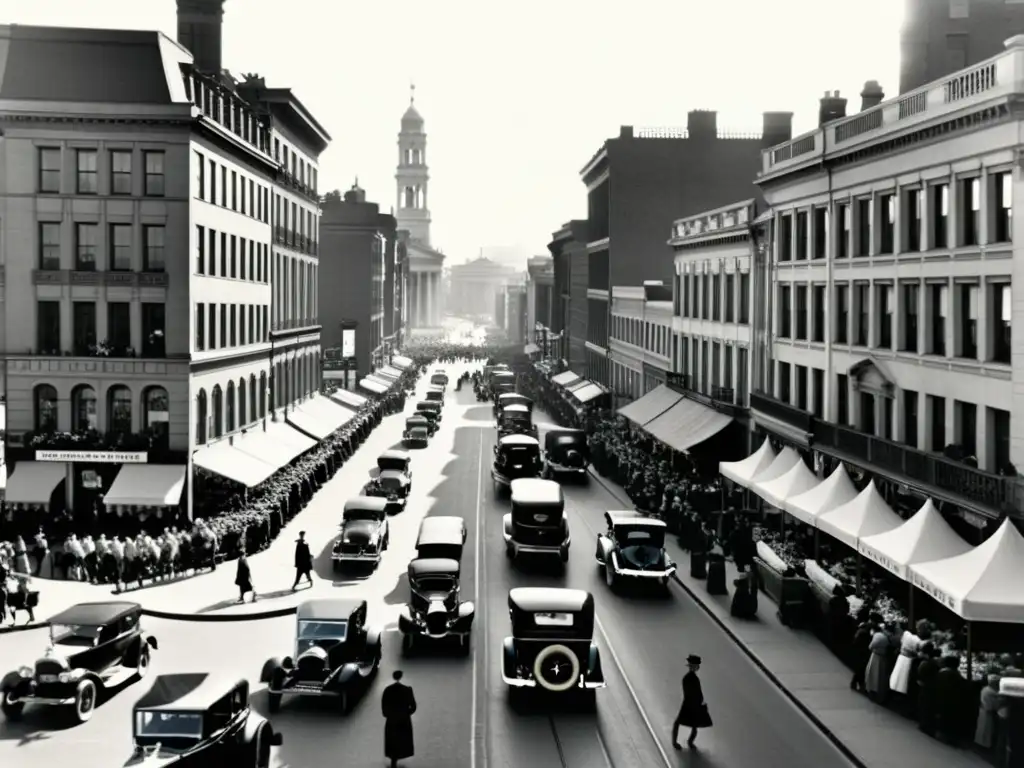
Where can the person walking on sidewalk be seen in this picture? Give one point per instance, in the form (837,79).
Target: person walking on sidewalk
(243,578)
(693,713)
(398,705)
(303,561)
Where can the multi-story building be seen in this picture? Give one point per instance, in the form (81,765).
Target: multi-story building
(940,37)
(357,242)
(641,181)
(540,284)
(892,279)
(640,338)
(472,286)
(568,249)
(511,310)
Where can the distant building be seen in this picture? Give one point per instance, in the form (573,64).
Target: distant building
(568,248)
(540,287)
(510,302)
(640,338)
(472,287)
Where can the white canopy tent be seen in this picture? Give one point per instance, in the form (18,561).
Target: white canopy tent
(866,515)
(923,538)
(837,489)
(743,471)
(793,483)
(982,584)
(784,462)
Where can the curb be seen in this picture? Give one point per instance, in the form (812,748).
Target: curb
(22,627)
(223,617)
(807,711)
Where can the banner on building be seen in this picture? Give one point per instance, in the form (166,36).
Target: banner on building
(348,343)
(95,457)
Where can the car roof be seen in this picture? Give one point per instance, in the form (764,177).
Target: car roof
(510,395)
(329,608)
(430,405)
(566,432)
(189,692)
(395,454)
(369,503)
(393,473)
(502,372)
(633,518)
(441,529)
(534,490)
(416,419)
(516,408)
(518,440)
(426,566)
(533,599)
(95,614)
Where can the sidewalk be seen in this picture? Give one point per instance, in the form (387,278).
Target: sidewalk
(814,679)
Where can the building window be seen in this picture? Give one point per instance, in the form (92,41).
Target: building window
(741,376)
(223,325)
(45,409)
(912,215)
(801,236)
(153,329)
(786,238)
(212,177)
(970,210)
(820,233)
(156,414)
(49,170)
(887,214)
(730,298)
(801,312)
(843,234)
(744,307)
(716,297)
(937,311)
(967,426)
(83,409)
(120,172)
(48,327)
(818,317)
(253,398)
(864,227)
(86,171)
(842,399)
(200,171)
(967,308)
(705,296)
(120,247)
(83,326)
(218,411)
(937,409)
(867,413)
(230,426)
(242,399)
(910,309)
(85,247)
(119,326)
(818,392)
(785,311)
(999,321)
(999,438)
(200,326)
(234,256)
(1002,229)
(200,249)
(862,307)
(842,314)
(801,387)
(910,399)
(49,246)
(155,186)
(784,382)
(959,9)
(153,253)
(940,215)
(233,336)
(883,299)
(224,186)
(119,410)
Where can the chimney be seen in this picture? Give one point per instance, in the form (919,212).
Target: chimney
(702,124)
(833,107)
(777,128)
(199,30)
(871,96)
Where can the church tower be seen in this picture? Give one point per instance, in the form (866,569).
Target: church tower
(412,176)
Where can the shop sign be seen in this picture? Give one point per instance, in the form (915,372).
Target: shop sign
(890,565)
(933,591)
(95,457)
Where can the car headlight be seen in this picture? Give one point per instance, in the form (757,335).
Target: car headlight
(25,671)
(70,677)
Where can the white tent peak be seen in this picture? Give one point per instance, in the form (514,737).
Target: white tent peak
(864,516)
(924,537)
(784,462)
(743,471)
(831,493)
(791,483)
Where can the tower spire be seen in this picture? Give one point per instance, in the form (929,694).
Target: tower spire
(412,94)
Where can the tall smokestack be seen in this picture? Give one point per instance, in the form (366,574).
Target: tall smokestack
(872,95)
(833,107)
(199,30)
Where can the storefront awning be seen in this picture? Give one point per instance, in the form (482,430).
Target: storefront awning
(376,386)
(687,423)
(577,385)
(320,417)
(349,399)
(590,392)
(387,370)
(33,482)
(837,489)
(531,349)
(867,515)
(279,444)
(650,406)
(565,378)
(147,485)
(401,362)
(226,460)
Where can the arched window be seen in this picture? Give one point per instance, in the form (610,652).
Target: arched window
(201,417)
(218,411)
(231,406)
(242,410)
(46,408)
(83,408)
(263,394)
(410,197)
(156,414)
(119,410)
(254,411)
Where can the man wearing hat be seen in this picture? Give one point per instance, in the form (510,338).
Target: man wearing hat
(693,713)
(303,561)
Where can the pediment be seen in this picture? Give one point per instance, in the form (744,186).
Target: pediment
(871,375)
(424,254)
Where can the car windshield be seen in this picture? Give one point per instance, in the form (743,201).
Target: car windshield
(325,634)
(640,537)
(169,725)
(361,514)
(388,462)
(521,452)
(434,584)
(553,619)
(79,635)
(390,482)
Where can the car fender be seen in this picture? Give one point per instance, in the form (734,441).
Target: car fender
(508,657)
(11,680)
(595,673)
(603,545)
(506,525)
(88,674)
(347,675)
(151,641)
(464,621)
(405,621)
(253,724)
(373,636)
(267,673)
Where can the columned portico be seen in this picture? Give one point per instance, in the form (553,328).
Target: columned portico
(426,307)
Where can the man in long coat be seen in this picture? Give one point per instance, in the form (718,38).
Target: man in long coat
(693,713)
(398,705)
(303,561)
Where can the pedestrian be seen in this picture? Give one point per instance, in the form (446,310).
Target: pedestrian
(398,705)
(303,561)
(243,578)
(693,712)
(860,655)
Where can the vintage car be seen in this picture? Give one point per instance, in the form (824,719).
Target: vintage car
(336,654)
(566,453)
(515,456)
(633,548)
(429,410)
(511,398)
(391,478)
(537,524)
(200,719)
(439,378)
(516,420)
(552,643)
(418,430)
(364,533)
(502,381)
(441,537)
(434,610)
(94,647)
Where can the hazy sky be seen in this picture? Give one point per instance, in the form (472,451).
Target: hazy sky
(518,96)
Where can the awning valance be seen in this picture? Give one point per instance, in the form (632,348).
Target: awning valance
(923,538)
(320,417)
(650,406)
(33,482)
(564,379)
(687,423)
(278,444)
(389,371)
(831,493)
(227,461)
(401,361)
(349,399)
(531,349)
(590,392)
(866,515)
(376,386)
(147,485)
(744,471)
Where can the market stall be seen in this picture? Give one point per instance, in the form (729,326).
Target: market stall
(865,515)
(830,494)
(743,472)
(788,485)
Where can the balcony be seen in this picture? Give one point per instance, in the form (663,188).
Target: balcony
(232,116)
(76,277)
(796,419)
(722,399)
(288,181)
(297,242)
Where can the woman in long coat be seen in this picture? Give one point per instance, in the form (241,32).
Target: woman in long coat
(398,705)
(876,675)
(693,713)
(243,578)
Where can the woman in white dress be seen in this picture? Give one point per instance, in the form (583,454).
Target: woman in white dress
(899,680)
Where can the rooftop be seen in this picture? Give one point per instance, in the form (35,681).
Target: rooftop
(730,219)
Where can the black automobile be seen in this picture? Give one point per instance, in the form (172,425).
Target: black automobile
(434,610)
(552,643)
(439,378)
(537,524)
(200,719)
(566,454)
(429,410)
(93,647)
(515,456)
(418,430)
(336,654)
(434,395)
(511,398)
(502,381)
(441,537)
(632,548)
(364,533)
(516,420)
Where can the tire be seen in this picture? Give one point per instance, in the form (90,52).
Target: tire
(273,702)
(574,665)
(344,705)
(609,576)
(142,665)
(13,710)
(86,698)
(387,542)
(465,646)
(260,749)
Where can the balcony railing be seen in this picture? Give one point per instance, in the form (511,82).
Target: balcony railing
(227,110)
(722,399)
(76,277)
(285,179)
(297,242)
(801,421)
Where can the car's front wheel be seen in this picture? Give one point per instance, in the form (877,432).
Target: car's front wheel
(11,707)
(85,700)
(273,702)
(609,575)
(142,665)
(343,702)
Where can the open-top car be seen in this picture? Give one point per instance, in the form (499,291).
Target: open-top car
(429,410)
(552,643)
(418,430)
(511,398)
(336,654)
(515,456)
(94,647)
(516,420)
(537,524)
(364,533)
(566,453)
(633,547)
(434,610)
(441,537)
(200,719)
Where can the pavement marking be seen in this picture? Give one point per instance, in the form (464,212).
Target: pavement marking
(476,601)
(604,748)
